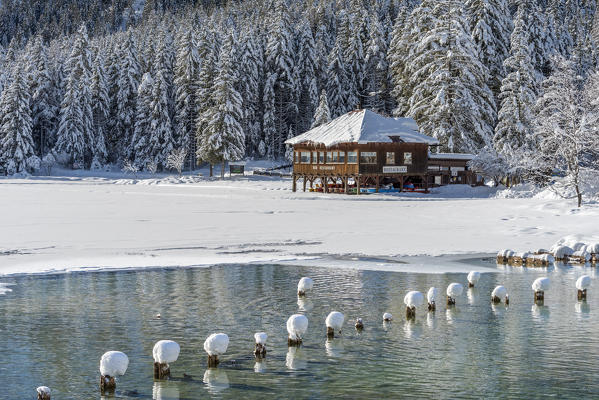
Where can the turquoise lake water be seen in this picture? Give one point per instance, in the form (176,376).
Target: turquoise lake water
(55,328)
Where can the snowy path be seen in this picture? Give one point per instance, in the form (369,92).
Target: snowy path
(80,223)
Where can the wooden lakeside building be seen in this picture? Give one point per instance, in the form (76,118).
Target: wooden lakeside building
(362,151)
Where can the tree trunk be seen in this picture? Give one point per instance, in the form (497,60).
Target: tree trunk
(222,171)
(579,196)
(211,170)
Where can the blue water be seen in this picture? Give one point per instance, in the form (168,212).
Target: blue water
(54,329)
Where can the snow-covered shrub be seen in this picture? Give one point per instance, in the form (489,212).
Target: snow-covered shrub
(176,159)
(130,167)
(96,165)
(152,167)
(47,163)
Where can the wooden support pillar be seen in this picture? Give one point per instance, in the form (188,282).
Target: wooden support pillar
(294,186)
(304,183)
(311,182)
(378,179)
(358,185)
(345,179)
(325,184)
(426,183)
(401,183)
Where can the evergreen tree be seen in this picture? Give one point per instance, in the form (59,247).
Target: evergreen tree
(519,91)
(186,71)
(100,111)
(75,130)
(491,26)
(17,153)
(306,66)
(450,100)
(377,70)
(337,84)
(224,138)
(322,114)
(43,104)
(137,149)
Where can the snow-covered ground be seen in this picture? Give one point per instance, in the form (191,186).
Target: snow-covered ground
(86,223)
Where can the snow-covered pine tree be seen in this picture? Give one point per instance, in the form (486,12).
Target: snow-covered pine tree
(565,132)
(100,110)
(17,153)
(407,24)
(43,104)
(267,146)
(322,114)
(250,88)
(137,150)
(208,51)
(224,138)
(75,129)
(376,80)
(351,52)
(186,71)
(337,84)
(519,91)
(279,59)
(128,71)
(306,66)
(450,100)
(491,25)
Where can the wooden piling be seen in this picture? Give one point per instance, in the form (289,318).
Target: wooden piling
(294,342)
(582,294)
(260,350)
(330,332)
(107,384)
(43,395)
(495,299)
(161,370)
(539,296)
(213,361)
(431,306)
(450,301)
(410,312)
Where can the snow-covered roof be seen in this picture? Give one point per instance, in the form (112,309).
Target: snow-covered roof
(364,126)
(450,156)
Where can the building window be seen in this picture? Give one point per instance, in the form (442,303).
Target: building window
(305,157)
(342,157)
(407,158)
(331,157)
(390,160)
(314,157)
(368,157)
(296,157)
(321,157)
(352,157)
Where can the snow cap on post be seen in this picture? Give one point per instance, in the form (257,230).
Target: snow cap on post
(166,351)
(216,344)
(114,363)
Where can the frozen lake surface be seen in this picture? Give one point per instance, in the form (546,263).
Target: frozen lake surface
(55,328)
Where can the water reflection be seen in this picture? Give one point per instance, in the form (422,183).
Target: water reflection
(473,295)
(165,390)
(4,288)
(540,312)
(295,359)
(260,366)
(430,320)
(304,304)
(451,314)
(498,309)
(216,380)
(334,347)
(582,309)
(412,330)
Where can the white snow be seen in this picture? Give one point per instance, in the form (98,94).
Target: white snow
(432,294)
(387,316)
(451,156)
(499,291)
(593,248)
(114,363)
(335,320)
(454,290)
(541,284)
(582,255)
(216,344)
(297,325)
(4,287)
(166,351)
(85,223)
(413,299)
(562,251)
(584,282)
(473,277)
(363,126)
(260,337)
(305,284)
(44,390)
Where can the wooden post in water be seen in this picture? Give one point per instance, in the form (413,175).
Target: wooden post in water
(43,393)
(161,370)
(410,312)
(213,361)
(450,301)
(582,294)
(107,384)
